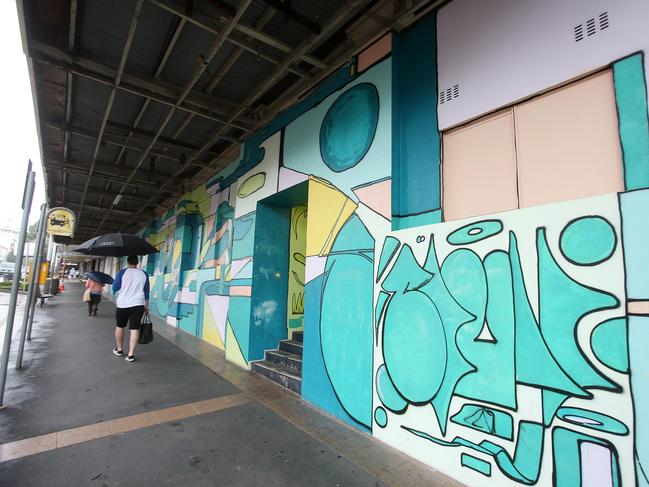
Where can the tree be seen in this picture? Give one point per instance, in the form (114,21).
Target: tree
(11,257)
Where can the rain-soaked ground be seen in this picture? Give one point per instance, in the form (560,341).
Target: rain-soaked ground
(181,415)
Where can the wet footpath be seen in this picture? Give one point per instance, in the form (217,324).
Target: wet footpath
(76,414)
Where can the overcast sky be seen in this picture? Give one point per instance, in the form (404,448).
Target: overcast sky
(18,137)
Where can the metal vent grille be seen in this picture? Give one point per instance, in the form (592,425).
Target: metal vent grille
(591,27)
(603,21)
(449,94)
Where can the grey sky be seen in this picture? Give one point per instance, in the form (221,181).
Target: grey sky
(18,137)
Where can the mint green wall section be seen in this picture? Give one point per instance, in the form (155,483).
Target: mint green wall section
(631,99)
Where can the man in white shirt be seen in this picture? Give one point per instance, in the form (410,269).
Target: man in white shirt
(132,302)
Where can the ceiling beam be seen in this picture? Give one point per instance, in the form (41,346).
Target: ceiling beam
(348,11)
(294,15)
(201,104)
(214,24)
(208,57)
(135,17)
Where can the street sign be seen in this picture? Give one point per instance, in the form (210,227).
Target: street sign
(61,221)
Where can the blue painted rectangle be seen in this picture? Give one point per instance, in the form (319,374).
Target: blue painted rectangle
(634,207)
(631,100)
(476,464)
(415,137)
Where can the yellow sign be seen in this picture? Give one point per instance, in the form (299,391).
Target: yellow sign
(60,221)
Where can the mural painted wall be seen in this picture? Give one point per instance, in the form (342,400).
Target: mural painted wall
(505,349)
(501,346)
(296,269)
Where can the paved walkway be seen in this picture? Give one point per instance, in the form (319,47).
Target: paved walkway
(181,415)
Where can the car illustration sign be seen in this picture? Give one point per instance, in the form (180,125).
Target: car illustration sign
(60,221)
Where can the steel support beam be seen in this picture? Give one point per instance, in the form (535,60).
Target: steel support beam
(208,57)
(199,104)
(111,98)
(213,24)
(349,10)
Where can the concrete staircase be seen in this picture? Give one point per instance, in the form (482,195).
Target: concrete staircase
(283,365)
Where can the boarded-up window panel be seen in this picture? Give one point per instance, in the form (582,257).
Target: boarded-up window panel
(479,168)
(567,143)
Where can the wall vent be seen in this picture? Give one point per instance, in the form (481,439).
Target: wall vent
(449,94)
(591,27)
(603,21)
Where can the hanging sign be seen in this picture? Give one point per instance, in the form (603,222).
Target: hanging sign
(60,221)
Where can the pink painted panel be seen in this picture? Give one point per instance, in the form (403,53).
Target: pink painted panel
(567,143)
(377,196)
(479,168)
(374,53)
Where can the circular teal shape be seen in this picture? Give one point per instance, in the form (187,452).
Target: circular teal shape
(417,365)
(589,240)
(474,232)
(388,393)
(593,420)
(381,417)
(349,126)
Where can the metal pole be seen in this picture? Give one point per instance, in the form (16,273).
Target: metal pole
(27,204)
(32,292)
(37,287)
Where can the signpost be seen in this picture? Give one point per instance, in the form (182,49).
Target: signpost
(9,327)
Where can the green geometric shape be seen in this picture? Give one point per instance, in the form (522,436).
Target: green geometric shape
(476,464)
(378,311)
(465,279)
(631,100)
(475,232)
(387,393)
(524,467)
(551,402)
(381,417)
(453,317)
(390,246)
(348,127)
(610,344)
(589,240)
(593,420)
(487,420)
(535,365)
(562,303)
(495,380)
(406,274)
(414,346)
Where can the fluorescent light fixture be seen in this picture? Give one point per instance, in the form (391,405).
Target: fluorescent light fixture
(117,199)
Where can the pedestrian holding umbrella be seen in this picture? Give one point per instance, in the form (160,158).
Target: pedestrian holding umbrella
(131,284)
(101,277)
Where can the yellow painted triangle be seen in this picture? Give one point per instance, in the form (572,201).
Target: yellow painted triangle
(210,330)
(328,210)
(232,349)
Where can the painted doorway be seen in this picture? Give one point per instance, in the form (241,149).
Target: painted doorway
(296,270)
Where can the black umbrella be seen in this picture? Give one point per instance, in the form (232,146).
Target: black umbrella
(116,245)
(100,277)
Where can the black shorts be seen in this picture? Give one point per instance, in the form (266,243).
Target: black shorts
(132,316)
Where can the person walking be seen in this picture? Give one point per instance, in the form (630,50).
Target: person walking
(95,288)
(132,286)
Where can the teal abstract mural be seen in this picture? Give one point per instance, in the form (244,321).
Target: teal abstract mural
(495,333)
